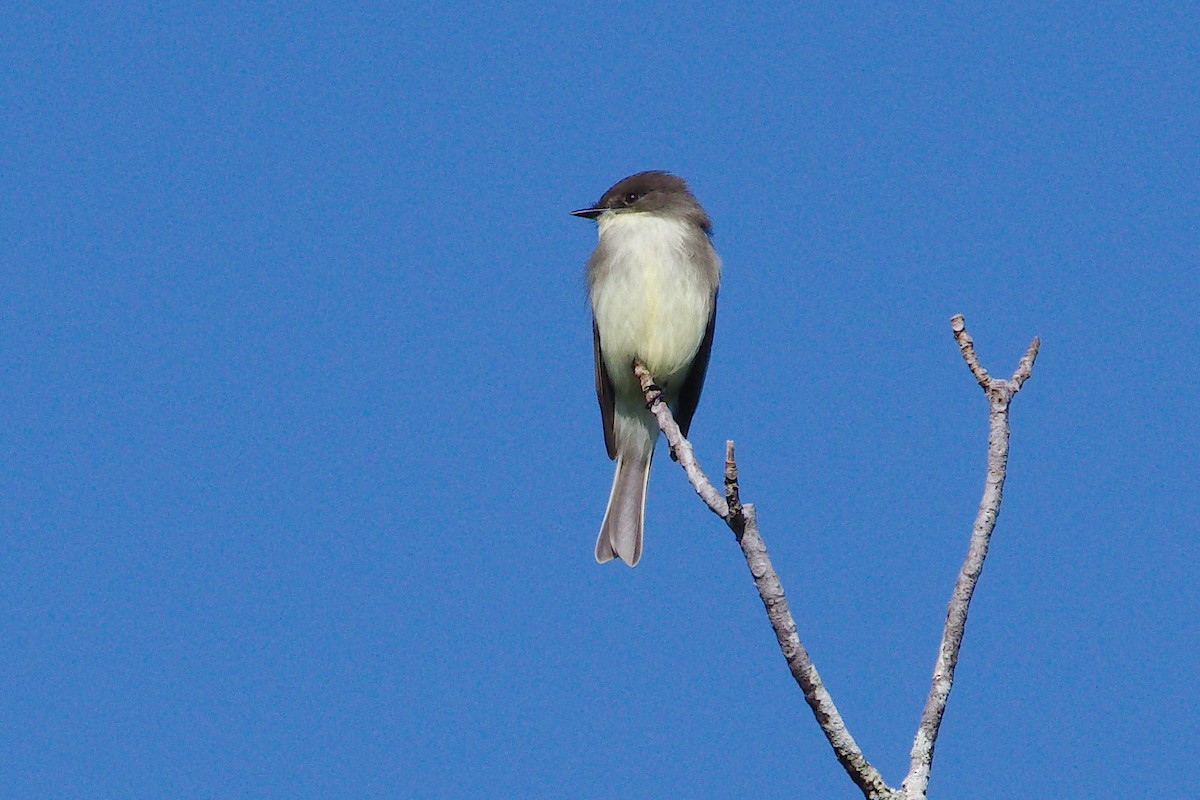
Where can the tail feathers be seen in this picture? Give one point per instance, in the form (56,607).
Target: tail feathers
(624,519)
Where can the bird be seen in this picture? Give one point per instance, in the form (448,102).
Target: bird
(652,283)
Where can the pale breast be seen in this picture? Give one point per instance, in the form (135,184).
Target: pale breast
(650,298)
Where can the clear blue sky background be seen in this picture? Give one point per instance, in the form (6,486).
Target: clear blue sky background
(302,465)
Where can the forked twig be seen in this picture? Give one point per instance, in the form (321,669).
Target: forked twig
(742,520)
(1000,393)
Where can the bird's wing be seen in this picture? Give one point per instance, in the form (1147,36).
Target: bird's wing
(689,393)
(605,394)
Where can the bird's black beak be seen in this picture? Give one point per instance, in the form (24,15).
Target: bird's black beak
(588,213)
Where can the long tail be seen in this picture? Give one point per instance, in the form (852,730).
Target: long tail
(625,517)
(636,432)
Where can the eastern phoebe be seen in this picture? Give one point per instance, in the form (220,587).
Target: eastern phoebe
(652,280)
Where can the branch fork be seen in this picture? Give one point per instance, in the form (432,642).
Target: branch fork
(742,520)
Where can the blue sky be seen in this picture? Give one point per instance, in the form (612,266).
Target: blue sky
(302,461)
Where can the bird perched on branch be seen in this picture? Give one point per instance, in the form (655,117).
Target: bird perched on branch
(652,282)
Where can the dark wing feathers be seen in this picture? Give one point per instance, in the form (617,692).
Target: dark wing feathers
(689,393)
(605,394)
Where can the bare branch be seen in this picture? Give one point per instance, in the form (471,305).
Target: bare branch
(865,776)
(681,448)
(732,492)
(967,347)
(999,394)
(1025,367)
(743,521)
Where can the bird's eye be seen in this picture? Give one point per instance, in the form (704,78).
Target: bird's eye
(632,198)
